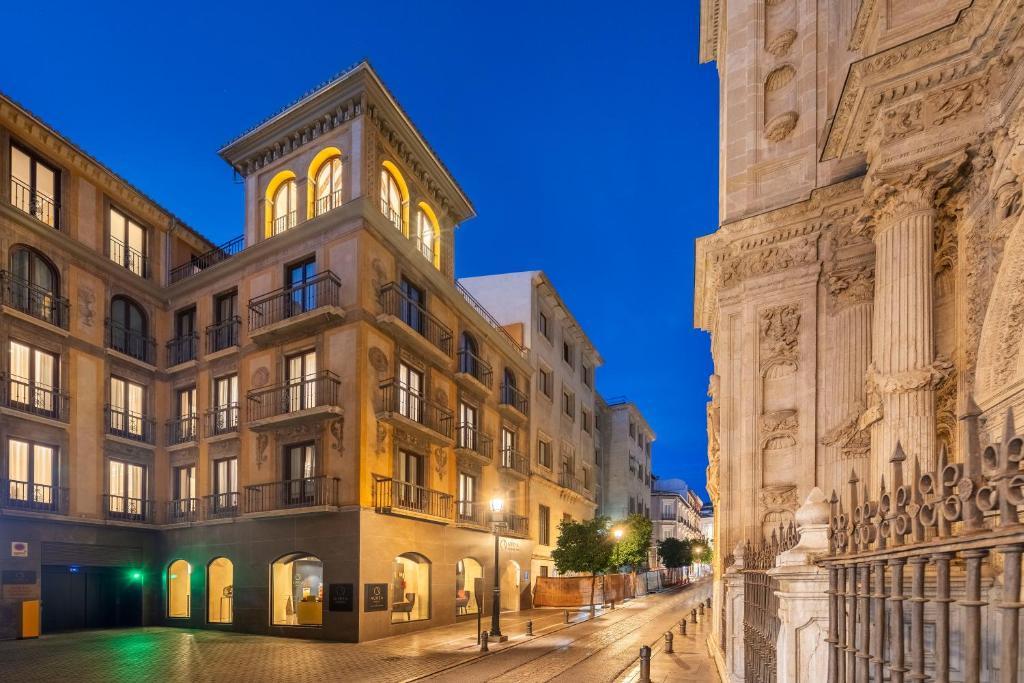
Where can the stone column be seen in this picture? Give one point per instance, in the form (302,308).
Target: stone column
(733,596)
(801,651)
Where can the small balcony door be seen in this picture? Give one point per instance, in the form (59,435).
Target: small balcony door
(410,393)
(468,427)
(301,381)
(184,494)
(31,473)
(187,426)
(225,484)
(300,468)
(303,294)
(225,396)
(33,379)
(127,486)
(467,495)
(410,480)
(34,187)
(412,305)
(225,331)
(127,401)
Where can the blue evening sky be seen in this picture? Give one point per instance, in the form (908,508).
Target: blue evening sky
(585,133)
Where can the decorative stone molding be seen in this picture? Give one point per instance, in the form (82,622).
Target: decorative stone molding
(851,439)
(336,428)
(767,261)
(262,440)
(409,439)
(260,377)
(779,498)
(378,360)
(850,286)
(780,44)
(779,327)
(781,126)
(440,461)
(86,305)
(928,377)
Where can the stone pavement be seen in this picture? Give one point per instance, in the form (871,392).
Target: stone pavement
(688,662)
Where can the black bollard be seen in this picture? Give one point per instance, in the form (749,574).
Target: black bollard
(567,616)
(645,664)
(693,616)
(483,642)
(702,609)
(668,642)
(529,628)
(682,627)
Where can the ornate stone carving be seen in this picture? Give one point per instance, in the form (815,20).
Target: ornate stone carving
(780,497)
(382,436)
(468,465)
(714,447)
(441,396)
(440,461)
(779,327)
(747,264)
(780,44)
(927,377)
(380,276)
(780,127)
(86,305)
(261,449)
(219,449)
(778,429)
(336,428)
(951,103)
(410,439)
(378,360)
(260,377)
(850,286)
(851,438)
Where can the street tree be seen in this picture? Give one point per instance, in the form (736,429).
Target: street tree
(631,549)
(675,553)
(583,548)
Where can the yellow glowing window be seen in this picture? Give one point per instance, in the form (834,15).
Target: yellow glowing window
(328,187)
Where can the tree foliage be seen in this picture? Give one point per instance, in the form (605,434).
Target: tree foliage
(675,553)
(584,548)
(631,550)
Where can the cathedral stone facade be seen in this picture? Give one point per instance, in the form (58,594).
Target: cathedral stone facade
(865,286)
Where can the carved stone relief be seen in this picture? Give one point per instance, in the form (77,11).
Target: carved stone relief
(378,360)
(779,327)
(336,428)
(850,286)
(86,305)
(747,264)
(440,461)
(260,377)
(262,440)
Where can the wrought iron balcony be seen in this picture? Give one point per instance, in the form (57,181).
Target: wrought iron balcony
(328,202)
(37,204)
(269,312)
(182,349)
(24,495)
(395,217)
(223,335)
(33,300)
(398,399)
(396,496)
(284,223)
(222,420)
(24,396)
(292,493)
(132,259)
(514,462)
(183,510)
(514,398)
(471,300)
(476,367)
(567,481)
(313,394)
(197,264)
(130,342)
(128,509)
(221,505)
(128,425)
(399,306)
(470,513)
(517,526)
(469,438)
(182,430)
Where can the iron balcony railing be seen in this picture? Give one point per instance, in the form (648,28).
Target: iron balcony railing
(324,289)
(395,494)
(398,398)
(473,439)
(128,425)
(33,300)
(293,396)
(130,342)
(292,493)
(182,349)
(132,259)
(395,302)
(199,263)
(567,481)
(469,512)
(514,461)
(476,367)
(25,495)
(221,505)
(328,202)
(222,419)
(392,214)
(517,525)
(37,204)
(183,510)
(25,396)
(182,430)
(489,318)
(284,223)
(511,396)
(128,509)
(223,335)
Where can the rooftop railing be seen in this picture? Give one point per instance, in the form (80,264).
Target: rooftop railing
(199,263)
(492,321)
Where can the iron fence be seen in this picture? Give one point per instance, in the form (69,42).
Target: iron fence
(197,264)
(511,396)
(319,389)
(472,439)
(222,335)
(292,493)
(26,495)
(395,494)
(323,289)
(130,342)
(18,393)
(761,605)
(396,397)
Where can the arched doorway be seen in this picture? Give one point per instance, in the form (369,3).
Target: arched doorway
(467,571)
(410,588)
(220,591)
(179,589)
(510,586)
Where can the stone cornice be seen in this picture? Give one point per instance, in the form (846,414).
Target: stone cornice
(860,26)
(710,22)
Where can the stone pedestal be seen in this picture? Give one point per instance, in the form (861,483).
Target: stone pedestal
(733,626)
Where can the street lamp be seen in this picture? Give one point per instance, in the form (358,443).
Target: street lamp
(498,520)
(617,534)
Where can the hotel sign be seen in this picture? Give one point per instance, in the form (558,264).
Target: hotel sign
(375,597)
(510,544)
(340,597)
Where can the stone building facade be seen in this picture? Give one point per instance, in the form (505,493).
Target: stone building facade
(863,286)
(626,460)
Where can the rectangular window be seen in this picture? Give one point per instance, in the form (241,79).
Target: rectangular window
(468,437)
(303,292)
(542,325)
(184,426)
(225,485)
(568,353)
(225,404)
(544,453)
(126,483)
(128,243)
(183,347)
(31,475)
(33,380)
(410,392)
(411,476)
(183,496)
(299,470)
(35,187)
(632,505)
(301,379)
(632,429)
(546,382)
(569,404)
(127,409)
(585,419)
(588,376)
(544,525)
(467,495)
(508,448)
(544,570)
(412,306)
(223,333)
(586,478)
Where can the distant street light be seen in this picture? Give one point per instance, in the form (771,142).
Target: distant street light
(618,534)
(498,520)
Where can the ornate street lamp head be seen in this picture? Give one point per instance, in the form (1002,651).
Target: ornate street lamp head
(497,505)
(617,533)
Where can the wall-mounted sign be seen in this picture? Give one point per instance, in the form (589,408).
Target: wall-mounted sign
(375,597)
(17,576)
(340,597)
(19,549)
(509,544)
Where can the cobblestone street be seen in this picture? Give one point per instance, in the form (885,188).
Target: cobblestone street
(603,649)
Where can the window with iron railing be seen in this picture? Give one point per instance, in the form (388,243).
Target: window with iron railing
(128,243)
(35,187)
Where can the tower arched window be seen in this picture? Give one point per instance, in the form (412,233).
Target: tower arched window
(427,234)
(391,198)
(328,186)
(284,207)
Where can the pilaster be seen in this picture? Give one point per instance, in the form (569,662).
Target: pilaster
(733,596)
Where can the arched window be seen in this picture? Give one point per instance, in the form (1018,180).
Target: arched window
(469,354)
(179,589)
(327,187)
(410,588)
(467,588)
(35,286)
(297,589)
(392,195)
(220,591)
(428,235)
(129,329)
(283,207)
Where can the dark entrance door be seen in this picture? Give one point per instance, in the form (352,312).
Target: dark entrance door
(90,597)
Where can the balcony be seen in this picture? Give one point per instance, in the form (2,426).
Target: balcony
(474,371)
(393,496)
(470,513)
(394,216)
(130,342)
(514,402)
(30,497)
(128,425)
(472,441)
(402,406)
(182,430)
(221,420)
(517,526)
(296,310)
(34,301)
(413,322)
(182,349)
(198,264)
(41,400)
(284,223)
(295,402)
(39,205)
(329,202)
(128,509)
(571,483)
(223,335)
(292,493)
(132,259)
(515,463)
(221,505)
(486,315)
(183,511)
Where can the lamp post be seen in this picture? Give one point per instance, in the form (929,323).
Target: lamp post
(695,552)
(498,520)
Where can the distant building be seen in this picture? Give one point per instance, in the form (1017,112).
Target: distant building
(626,442)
